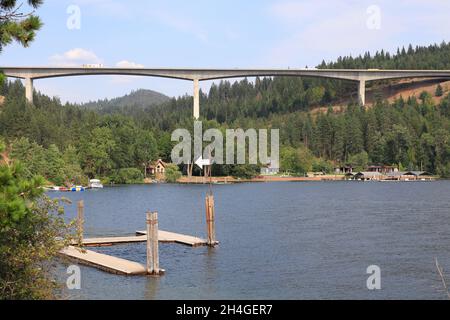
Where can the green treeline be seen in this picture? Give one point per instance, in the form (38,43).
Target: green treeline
(227,102)
(419,58)
(69,142)
(66,144)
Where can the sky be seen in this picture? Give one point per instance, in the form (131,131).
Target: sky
(219,33)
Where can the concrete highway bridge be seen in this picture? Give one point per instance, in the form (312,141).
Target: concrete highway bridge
(360,76)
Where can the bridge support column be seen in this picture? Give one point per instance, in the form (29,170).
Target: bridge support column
(196,99)
(362,92)
(29,89)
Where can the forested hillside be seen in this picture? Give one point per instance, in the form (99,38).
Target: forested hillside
(67,143)
(431,57)
(136,99)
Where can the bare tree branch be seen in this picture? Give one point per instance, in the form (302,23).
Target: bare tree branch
(14,14)
(441,275)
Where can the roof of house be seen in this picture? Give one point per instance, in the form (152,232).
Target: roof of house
(408,173)
(418,173)
(368,173)
(381,166)
(159,161)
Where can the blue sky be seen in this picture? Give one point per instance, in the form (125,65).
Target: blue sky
(201,33)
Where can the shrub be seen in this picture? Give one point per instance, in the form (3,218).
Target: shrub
(246,171)
(172,173)
(128,176)
(32,232)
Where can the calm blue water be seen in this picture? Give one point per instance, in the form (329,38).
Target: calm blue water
(304,240)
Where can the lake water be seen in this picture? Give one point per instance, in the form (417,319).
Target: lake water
(287,240)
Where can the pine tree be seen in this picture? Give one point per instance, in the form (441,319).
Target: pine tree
(17,25)
(439,91)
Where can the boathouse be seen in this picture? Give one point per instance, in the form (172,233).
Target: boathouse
(368,175)
(408,175)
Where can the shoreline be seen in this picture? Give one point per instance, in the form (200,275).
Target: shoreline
(233,180)
(229,180)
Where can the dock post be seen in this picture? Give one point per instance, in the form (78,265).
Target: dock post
(152,244)
(210,224)
(80,218)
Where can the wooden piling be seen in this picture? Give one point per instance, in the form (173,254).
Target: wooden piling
(152,244)
(80,218)
(210,224)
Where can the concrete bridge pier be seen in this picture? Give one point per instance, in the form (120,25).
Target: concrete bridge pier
(362,92)
(29,89)
(196,99)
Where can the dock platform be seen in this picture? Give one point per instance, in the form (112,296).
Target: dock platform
(118,265)
(141,236)
(104,262)
(172,237)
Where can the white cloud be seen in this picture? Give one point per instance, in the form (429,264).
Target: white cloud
(74,57)
(126,79)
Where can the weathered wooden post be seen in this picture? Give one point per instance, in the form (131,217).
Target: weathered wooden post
(80,218)
(210,225)
(152,244)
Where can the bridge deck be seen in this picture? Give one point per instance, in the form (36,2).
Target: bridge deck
(141,236)
(104,262)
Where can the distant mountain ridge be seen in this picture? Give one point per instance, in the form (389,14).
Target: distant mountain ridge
(141,98)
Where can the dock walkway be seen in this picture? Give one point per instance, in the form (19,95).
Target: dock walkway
(104,262)
(166,236)
(141,236)
(118,265)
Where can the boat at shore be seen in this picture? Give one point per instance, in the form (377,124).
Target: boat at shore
(77,189)
(95,184)
(66,189)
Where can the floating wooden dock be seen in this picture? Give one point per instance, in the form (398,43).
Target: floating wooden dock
(172,237)
(152,236)
(104,262)
(141,236)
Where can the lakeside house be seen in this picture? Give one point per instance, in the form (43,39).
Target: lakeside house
(344,169)
(157,169)
(382,169)
(270,168)
(315,174)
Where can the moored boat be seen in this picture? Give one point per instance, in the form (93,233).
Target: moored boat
(76,189)
(95,184)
